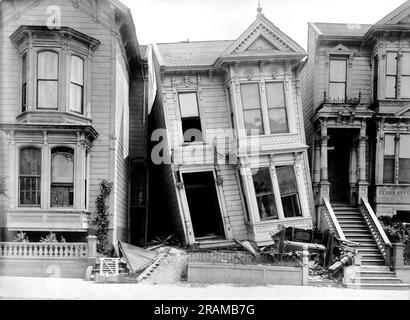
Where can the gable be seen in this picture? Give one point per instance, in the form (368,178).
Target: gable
(399,15)
(261,43)
(263,35)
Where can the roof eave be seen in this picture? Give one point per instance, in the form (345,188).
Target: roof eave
(255,58)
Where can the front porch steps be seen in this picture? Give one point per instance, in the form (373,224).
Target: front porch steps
(373,273)
(377,277)
(355,229)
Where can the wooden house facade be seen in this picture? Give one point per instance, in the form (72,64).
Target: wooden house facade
(229,153)
(71,78)
(356,100)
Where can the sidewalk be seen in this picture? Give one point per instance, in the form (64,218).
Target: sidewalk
(54,288)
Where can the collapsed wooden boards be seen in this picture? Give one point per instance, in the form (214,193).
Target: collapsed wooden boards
(137,258)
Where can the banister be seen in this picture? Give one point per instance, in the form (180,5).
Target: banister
(334,219)
(376,222)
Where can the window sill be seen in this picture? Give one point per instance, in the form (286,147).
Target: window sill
(52,117)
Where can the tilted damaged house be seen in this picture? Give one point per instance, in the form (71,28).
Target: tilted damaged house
(71,78)
(229,152)
(356,101)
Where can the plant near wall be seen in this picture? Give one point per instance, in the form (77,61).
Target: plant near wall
(21,237)
(52,238)
(100,218)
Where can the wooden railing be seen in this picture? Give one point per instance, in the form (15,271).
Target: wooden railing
(109,266)
(43,250)
(331,220)
(376,229)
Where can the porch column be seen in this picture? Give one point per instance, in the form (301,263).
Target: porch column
(379,153)
(396,157)
(363,184)
(353,173)
(324,183)
(316,169)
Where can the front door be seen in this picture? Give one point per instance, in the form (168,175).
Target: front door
(203,205)
(338,165)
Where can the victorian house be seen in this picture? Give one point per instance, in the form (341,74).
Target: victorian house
(232,161)
(356,101)
(71,78)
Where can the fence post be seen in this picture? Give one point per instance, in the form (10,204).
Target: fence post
(305,267)
(92,250)
(398,258)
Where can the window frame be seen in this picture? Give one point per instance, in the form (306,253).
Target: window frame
(396,158)
(260,108)
(345,59)
(404,75)
(19,176)
(285,107)
(62,184)
(388,75)
(200,118)
(57,80)
(82,86)
(272,194)
(23,84)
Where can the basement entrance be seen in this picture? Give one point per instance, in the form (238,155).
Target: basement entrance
(203,205)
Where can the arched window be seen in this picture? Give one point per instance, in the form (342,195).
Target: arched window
(47,80)
(30,177)
(77,84)
(62,177)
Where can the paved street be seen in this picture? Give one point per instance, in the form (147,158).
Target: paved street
(53,288)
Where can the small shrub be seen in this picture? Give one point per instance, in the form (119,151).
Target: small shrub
(52,238)
(21,237)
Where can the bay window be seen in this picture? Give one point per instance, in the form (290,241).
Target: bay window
(337,79)
(265,197)
(30,177)
(252,110)
(47,80)
(275,97)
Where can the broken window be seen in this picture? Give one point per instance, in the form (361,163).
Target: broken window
(265,197)
(391,75)
(404,159)
(337,79)
(30,177)
(252,111)
(47,80)
(405,75)
(289,191)
(62,177)
(191,121)
(275,97)
(388,166)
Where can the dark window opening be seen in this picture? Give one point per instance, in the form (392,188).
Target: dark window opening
(265,197)
(191,121)
(391,75)
(62,177)
(289,191)
(30,177)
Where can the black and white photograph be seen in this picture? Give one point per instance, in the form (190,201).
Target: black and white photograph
(221,152)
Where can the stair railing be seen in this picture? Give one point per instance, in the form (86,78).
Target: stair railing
(376,229)
(331,220)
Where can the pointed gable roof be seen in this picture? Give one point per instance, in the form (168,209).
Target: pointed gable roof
(262,39)
(397,15)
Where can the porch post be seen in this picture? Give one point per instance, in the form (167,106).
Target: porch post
(396,157)
(363,184)
(324,183)
(379,153)
(316,169)
(353,173)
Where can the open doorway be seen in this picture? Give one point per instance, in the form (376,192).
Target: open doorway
(338,164)
(203,205)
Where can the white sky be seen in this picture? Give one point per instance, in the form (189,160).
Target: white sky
(159,21)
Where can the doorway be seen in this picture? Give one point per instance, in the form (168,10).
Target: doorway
(338,164)
(203,203)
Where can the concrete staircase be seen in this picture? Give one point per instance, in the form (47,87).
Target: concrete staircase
(376,277)
(373,273)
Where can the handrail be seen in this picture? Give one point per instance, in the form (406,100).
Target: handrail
(376,221)
(376,229)
(334,220)
(43,250)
